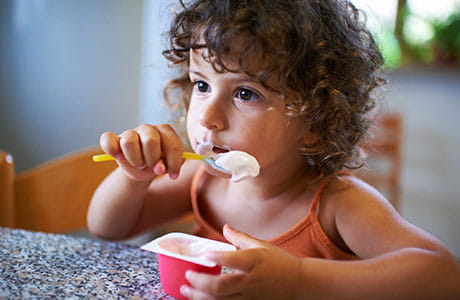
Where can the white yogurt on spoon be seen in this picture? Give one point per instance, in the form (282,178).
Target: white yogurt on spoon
(241,164)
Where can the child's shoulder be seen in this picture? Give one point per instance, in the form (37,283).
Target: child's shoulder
(349,192)
(351,209)
(348,182)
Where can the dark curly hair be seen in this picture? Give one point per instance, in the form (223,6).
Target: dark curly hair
(325,61)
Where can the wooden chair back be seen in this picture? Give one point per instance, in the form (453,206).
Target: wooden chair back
(6,189)
(52,197)
(384,150)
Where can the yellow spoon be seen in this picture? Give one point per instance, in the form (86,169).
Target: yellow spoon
(186,155)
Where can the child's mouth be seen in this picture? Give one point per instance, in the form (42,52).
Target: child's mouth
(210,149)
(218,150)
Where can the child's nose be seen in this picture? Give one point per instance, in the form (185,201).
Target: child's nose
(213,115)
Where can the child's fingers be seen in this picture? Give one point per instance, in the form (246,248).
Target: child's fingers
(243,260)
(130,146)
(157,148)
(172,148)
(241,240)
(150,144)
(109,143)
(224,285)
(159,168)
(194,294)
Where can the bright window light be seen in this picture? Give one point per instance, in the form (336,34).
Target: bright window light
(385,11)
(381,16)
(417,30)
(430,10)
(378,12)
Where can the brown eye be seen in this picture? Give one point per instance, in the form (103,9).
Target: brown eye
(247,95)
(202,86)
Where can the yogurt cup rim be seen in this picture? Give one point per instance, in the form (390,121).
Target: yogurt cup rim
(154,246)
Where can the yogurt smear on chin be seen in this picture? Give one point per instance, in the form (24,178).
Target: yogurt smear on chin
(241,164)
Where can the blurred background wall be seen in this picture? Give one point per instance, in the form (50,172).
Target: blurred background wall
(429,100)
(420,41)
(70,70)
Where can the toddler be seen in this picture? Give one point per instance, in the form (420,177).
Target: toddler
(289,82)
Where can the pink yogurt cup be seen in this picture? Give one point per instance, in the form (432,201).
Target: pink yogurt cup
(179,252)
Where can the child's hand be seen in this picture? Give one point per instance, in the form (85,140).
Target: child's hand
(261,271)
(145,151)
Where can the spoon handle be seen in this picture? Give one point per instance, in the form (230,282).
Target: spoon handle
(108,157)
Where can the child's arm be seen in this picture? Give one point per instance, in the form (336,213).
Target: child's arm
(134,197)
(400,261)
(263,271)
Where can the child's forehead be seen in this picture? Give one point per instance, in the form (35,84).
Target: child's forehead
(240,57)
(237,48)
(231,61)
(249,68)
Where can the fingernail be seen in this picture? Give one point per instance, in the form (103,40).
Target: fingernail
(185,290)
(159,168)
(188,274)
(173,175)
(228,227)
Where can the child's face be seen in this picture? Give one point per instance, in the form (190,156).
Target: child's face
(232,111)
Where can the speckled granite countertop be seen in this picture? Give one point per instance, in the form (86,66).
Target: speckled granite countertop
(36,265)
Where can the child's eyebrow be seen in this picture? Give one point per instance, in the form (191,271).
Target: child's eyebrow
(196,73)
(234,76)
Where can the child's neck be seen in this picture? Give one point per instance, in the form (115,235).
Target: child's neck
(264,208)
(265,187)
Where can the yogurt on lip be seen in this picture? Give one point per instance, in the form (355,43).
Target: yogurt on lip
(205,148)
(241,164)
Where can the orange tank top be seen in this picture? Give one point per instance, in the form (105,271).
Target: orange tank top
(304,239)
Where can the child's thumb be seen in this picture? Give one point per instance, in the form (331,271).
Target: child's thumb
(241,240)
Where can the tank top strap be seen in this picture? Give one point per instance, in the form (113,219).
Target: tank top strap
(322,185)
(196,181)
